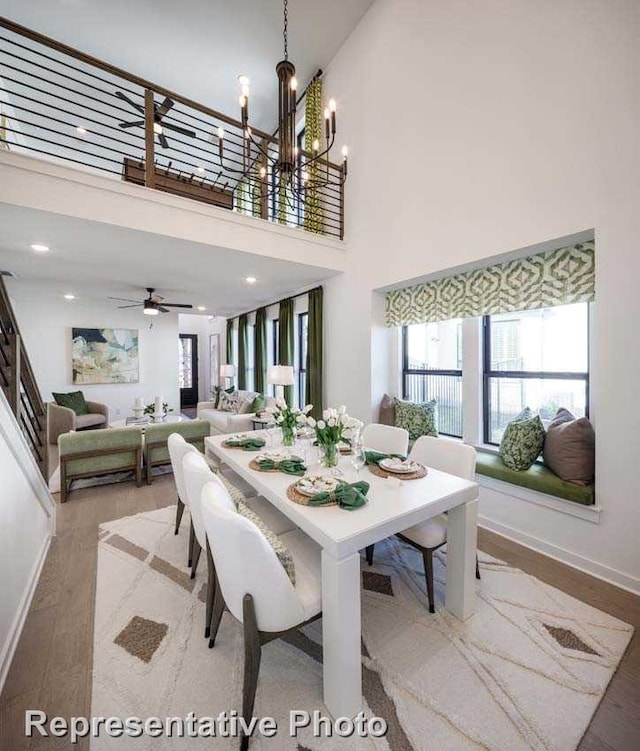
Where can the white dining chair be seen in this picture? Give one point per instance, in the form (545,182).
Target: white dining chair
(447,456)
(178,449)
(386,439)
(254,585)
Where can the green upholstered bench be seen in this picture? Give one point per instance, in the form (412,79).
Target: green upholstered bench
(99,452)
(156,452)
(538,477)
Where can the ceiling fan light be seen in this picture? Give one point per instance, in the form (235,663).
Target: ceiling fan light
(157,128)
(150,311)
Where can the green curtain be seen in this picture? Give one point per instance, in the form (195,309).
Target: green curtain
(285,344)
(313,391)
(313,121)
(242,351)
(260,351)
(558,277)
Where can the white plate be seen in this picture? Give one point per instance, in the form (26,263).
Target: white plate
(313,484)
(276,456)
(399,466)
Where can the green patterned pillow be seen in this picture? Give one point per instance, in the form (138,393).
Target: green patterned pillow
(73,400)
(282,552)
(418,419)
(522,441)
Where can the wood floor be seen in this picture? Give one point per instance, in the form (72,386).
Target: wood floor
(51,670)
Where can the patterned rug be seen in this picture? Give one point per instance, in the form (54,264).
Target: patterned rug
(526,671)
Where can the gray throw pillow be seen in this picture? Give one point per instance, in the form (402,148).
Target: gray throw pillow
(522,441)
(387,414)
(570,448)
(228,402)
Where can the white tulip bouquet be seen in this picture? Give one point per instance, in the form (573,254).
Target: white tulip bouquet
(289,418)
(334,427)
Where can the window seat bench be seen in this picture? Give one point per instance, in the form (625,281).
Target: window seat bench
(538,477)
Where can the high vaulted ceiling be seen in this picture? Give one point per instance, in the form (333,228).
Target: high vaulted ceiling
(199,47)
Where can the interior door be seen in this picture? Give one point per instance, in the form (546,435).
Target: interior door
(188,370)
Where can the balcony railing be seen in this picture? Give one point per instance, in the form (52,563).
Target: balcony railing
(63,105)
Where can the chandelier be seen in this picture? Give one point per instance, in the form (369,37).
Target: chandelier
(295,174)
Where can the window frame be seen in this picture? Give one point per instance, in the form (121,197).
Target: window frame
(406,371)
(488,374)
(302,362)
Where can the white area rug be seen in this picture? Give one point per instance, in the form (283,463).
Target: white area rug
(526,671)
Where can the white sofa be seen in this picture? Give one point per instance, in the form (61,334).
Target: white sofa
(229,422)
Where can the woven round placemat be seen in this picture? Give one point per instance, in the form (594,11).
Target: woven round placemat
(253,464)
(293,494)
(379,472)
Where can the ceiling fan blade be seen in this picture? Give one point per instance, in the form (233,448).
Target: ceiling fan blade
(130,101)
(176,305)
(162,110)
(132,124)
(163,140)
(178,129)
(162,309)
(125,299)
(137,305)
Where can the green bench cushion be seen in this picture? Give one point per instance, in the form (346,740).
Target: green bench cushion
(199,429)
(538,477)
(98,441)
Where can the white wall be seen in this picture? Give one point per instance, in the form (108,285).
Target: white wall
(27,516)
(476,129)
(46,319)
(204,327)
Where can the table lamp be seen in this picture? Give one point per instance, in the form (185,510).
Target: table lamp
(280,376)
(227,371)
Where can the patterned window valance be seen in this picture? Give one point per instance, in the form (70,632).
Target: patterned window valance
(558,277)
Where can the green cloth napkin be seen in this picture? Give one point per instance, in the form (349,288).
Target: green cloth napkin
(348,496)
(288,466)
(248,444)
(375,457)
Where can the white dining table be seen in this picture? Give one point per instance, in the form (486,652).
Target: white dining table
(392,507)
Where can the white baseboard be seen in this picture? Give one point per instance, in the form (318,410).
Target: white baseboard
(579,562)
(9,647)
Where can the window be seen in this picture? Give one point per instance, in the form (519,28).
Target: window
(274,339)
(432,369)
(250,358)
(537,359)
(303,333)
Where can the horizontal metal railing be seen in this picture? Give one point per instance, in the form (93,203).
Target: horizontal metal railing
(63,105)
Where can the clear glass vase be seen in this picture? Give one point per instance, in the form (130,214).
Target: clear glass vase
(288,436)
(330,455)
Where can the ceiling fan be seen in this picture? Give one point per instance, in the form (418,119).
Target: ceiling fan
(159,111)
(153,304)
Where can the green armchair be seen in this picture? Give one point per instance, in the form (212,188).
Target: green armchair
(99,452)
(155,441)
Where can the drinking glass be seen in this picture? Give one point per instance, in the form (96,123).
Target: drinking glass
(358,459)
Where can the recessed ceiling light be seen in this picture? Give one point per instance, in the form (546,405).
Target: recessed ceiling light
(69,296)
(82,131)
(243,80)
(200,169)
(40,248)
(201,308)
(251,279)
